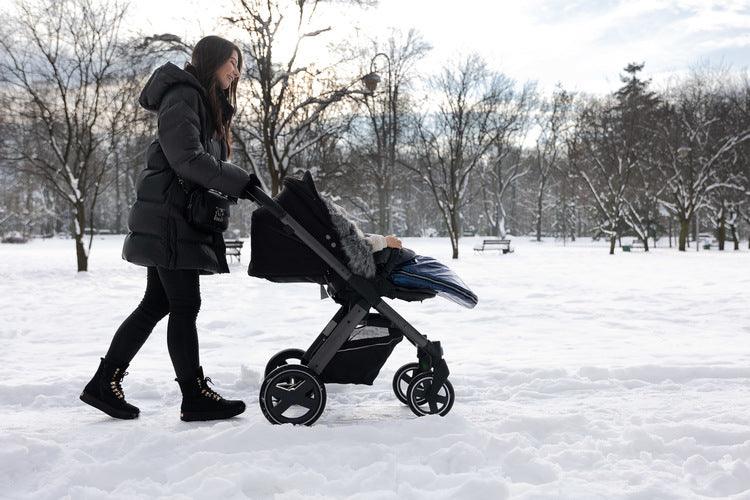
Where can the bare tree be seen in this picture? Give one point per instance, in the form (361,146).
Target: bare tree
(505,165)
(286,101)
(552,121)
(130,128)
(605,171)
(383,134)
(58,57)
(694,142)
(455,137)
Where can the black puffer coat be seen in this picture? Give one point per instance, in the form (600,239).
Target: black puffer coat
(159,233)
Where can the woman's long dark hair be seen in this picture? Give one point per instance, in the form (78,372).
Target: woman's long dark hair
(208,55)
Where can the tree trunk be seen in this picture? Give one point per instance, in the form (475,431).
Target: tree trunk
(117,226)
(735,238)
(722,231)
(454,233)
(684,230)
(82,256)
(645,244)
(694,227)
(670,231)
(275,174)
(612,241)
(501,231)
(382,211)
(539,200)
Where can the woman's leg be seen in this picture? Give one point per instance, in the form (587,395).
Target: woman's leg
(182,288)
(136,328)
(199,401)
(104,391)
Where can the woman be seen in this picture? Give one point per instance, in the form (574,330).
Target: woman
(195,108)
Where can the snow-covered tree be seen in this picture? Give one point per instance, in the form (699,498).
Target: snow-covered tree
(694,143)
(611,148)
(56,59)
(505,164)
(553,121)
(386,108)
(285,102)
(454,137)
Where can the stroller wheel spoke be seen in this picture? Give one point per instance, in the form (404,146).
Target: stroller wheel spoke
(309,403)
(282,406)
(277,393)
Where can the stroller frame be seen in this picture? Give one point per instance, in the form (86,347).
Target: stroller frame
(354,310)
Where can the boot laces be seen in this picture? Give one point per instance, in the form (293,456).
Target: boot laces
(206,390)
(115,386)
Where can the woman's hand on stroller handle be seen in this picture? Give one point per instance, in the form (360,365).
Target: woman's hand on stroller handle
(254,192)
(250,186)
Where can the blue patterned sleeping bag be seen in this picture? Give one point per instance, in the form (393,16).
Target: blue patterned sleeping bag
(426,272)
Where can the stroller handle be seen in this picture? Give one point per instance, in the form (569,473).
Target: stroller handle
(262,199)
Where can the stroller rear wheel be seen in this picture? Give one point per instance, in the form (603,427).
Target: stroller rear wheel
(421,404)
(292,394)
(402,378)
(282,358)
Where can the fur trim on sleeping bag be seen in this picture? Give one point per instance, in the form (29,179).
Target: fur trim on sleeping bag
(353,243)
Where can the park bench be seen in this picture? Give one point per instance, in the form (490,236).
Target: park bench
(234,248)
(502,245)
(634,245)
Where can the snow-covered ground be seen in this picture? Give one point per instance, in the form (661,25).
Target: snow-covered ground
(578,375)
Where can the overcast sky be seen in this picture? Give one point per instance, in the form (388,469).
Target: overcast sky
(584,44)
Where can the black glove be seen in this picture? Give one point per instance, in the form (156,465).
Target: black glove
(253,182)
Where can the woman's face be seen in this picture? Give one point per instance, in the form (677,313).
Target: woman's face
(228,71)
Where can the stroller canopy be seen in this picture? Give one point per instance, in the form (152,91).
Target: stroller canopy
(276,253)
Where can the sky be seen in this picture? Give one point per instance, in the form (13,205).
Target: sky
(582,44)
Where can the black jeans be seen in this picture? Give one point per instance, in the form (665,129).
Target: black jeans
(177,293)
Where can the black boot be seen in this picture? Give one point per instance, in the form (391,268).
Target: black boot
(200,402)
(105,392)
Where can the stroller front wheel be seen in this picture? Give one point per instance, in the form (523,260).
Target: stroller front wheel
(292,394)
(417,396)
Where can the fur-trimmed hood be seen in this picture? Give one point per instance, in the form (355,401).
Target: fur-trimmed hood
(353,243)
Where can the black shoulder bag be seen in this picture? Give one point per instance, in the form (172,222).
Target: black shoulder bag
(207,209)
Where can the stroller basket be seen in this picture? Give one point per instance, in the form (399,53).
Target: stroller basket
(360,358)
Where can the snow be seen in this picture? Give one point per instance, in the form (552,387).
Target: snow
(579,375)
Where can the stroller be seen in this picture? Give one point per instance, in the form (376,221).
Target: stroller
(294,239)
